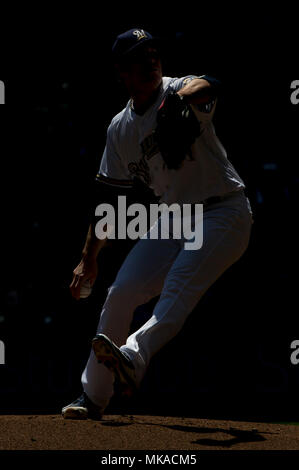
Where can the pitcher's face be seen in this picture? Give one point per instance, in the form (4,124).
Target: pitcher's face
(142,70)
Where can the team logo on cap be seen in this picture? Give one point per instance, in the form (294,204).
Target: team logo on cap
(140,34)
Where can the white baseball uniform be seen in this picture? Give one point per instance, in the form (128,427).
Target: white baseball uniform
(160,266)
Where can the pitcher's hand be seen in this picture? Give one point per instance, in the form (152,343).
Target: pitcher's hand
(87,270)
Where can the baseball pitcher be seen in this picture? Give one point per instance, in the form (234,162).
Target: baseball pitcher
(165,137)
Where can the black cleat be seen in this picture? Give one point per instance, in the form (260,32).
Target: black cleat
(82,408)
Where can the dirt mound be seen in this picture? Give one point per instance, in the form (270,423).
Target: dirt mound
(125,432)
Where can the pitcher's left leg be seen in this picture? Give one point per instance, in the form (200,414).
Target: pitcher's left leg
(226,236)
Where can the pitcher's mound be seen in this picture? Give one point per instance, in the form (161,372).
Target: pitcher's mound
(126,432)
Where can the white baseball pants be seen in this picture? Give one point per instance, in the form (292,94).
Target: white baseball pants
(181,277)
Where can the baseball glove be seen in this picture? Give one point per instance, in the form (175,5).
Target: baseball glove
(176,130)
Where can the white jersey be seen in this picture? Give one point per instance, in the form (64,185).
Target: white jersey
(131,152)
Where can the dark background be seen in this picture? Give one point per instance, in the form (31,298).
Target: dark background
(233,356)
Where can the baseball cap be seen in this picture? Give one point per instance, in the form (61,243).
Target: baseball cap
(129,41)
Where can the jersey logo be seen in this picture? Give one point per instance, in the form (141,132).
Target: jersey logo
(140,169)
(140,34)
(149,146)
